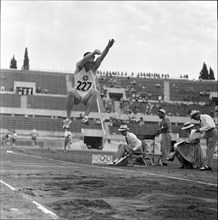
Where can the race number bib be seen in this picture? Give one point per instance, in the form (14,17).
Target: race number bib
(84,81)
(83,86)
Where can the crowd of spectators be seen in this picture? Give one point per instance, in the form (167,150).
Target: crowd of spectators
(9,138)
(108,105)
(173,109)
(140,105)
(184,76)
(116,119)
(139,95)
(135,89)
(138,75)
(39,90)
(190,93)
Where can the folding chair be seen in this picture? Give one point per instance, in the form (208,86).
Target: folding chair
(150,148)
(141,155)
(157,150)
(149,151)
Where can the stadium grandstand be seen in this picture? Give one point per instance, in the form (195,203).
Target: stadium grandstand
(37,99)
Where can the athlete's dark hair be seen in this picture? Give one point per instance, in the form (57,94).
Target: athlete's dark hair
(86,54)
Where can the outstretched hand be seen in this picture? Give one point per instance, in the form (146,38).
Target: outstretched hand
(111,42)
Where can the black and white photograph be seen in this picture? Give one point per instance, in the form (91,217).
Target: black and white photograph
(108,110)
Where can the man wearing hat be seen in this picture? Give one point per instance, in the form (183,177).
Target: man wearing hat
(165,132)
(188,152)
(209,131)
(133,144)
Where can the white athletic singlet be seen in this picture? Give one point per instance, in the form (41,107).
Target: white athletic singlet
(84,81)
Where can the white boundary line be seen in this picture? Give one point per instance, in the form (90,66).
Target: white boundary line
(110,168)
(45,210)
(9,186)
(41,165)
(39,206)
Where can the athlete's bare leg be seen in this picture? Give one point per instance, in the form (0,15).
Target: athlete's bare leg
(72,98)
(89,100)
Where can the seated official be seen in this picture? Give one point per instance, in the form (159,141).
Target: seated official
(188,152)
(133,144)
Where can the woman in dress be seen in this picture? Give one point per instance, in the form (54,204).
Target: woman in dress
(188,152)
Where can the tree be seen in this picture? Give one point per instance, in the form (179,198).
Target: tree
(204,72)
(26,61)
(211,74)
(13,64)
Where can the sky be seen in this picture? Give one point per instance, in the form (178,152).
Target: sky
(166,37)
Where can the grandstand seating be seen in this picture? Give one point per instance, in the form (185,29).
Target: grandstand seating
(54,83)
(180,89)
(46,102)
(55,99)
(54,103)
(149,128)
(182,109)
(149,87)
(146,129)
(10,100)
(172,109)
(195,91)
(40,102)
(41,123)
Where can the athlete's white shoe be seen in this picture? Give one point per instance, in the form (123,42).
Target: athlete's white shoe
(85,120)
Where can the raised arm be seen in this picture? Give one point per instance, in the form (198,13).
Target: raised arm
(103,54)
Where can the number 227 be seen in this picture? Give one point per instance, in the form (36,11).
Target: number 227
(83,86)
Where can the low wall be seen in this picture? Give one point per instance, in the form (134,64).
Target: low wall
(58,143)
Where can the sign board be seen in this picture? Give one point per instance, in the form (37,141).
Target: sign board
(92,132)
(102,159)
(25,88)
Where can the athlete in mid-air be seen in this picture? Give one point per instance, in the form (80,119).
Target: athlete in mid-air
(84,89)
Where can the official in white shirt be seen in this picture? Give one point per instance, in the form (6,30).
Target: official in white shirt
(209,131)
(133,144)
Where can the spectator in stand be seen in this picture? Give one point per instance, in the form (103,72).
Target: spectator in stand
(165,132)
(85,90)
(13,138)
(208,130)
(5,138)
(34,134)
(39,90)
